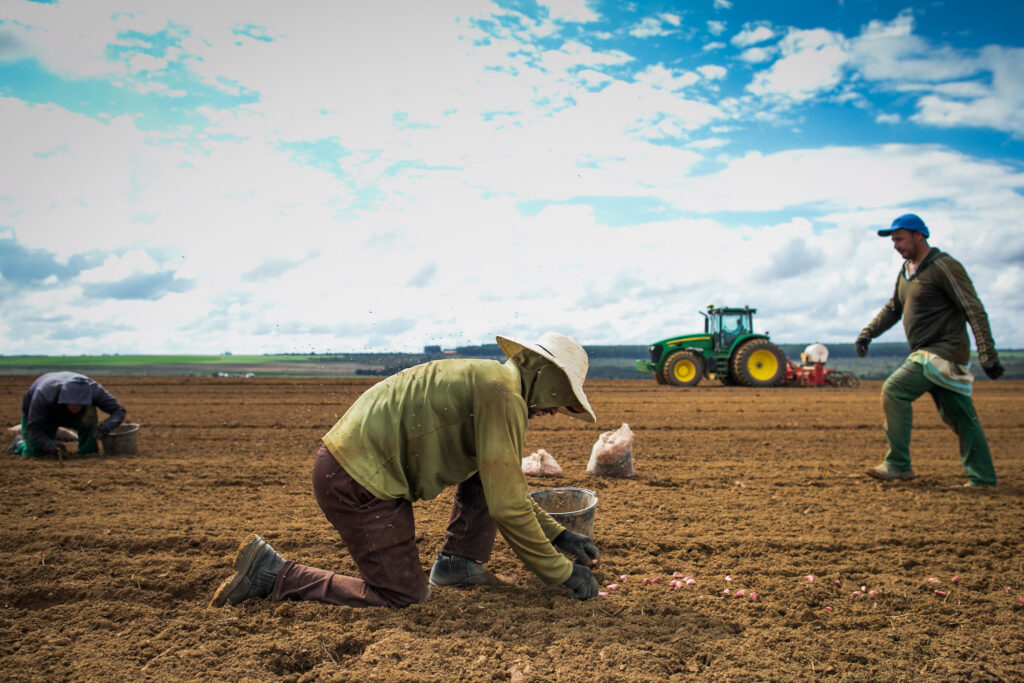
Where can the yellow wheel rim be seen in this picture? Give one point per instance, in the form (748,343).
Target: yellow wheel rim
(684,371)
(762,365)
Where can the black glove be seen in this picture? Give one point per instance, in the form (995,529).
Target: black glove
(994,370)
(582,583)
(60,450)
(101,432)
(578,545)
(861,345)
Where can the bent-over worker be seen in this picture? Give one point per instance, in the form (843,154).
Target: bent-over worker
(65,399)
(452,422)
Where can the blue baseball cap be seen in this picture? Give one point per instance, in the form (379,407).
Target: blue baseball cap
(908,221)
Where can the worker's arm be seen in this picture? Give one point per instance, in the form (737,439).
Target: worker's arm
(500,424)
(961,291)
(886,318)
(103,399)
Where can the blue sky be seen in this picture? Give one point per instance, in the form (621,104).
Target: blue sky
(197,177)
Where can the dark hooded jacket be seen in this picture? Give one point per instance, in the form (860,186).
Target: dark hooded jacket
(45,406)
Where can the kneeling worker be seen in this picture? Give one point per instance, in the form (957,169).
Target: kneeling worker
(65,399)
(447,422)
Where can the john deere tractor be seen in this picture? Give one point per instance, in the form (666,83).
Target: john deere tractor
(728,350)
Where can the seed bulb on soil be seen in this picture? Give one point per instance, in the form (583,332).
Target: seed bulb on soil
(955,579)
(809,578)
(612,586)
(941,594)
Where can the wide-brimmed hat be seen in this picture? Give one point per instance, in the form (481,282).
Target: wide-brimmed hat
(908,221)
(566,353)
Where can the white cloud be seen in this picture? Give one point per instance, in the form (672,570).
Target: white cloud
(570,11)
(716,28)
(651,27)
(752,35)
(757,55)
(812,62)
(712,72)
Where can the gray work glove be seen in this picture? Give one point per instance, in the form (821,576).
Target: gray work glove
(861,345)
(581,583)
(994,370)
(578,545)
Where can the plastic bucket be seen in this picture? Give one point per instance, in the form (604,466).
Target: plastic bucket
(123,440)
(571,507)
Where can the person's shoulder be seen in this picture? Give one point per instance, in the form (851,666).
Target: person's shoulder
(945,260)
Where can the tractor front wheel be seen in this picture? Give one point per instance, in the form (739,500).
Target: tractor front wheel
(759,363)
(683,369)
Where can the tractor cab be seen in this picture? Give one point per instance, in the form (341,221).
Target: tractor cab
(725,325)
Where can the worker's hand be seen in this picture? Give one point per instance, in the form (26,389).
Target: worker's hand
(582,583)
(101,432)
(861,345)
(60,450)
(580,546)
(994,370)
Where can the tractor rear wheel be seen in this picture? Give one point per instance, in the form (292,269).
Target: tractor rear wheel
(759,363)
(683,369)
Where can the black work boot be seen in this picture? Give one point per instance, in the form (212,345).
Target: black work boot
(256,568)
(453,570)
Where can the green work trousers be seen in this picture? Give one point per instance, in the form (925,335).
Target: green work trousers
(85,424)
(906,385)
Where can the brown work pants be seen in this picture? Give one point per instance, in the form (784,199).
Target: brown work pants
(380,535)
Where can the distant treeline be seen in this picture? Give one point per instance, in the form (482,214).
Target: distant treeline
(619,362)
(606,362)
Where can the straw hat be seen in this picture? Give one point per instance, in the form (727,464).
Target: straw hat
(566,353)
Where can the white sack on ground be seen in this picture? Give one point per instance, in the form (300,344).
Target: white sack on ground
(541,464)
(612,455)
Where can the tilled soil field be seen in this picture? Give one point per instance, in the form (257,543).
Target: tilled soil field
(109,562)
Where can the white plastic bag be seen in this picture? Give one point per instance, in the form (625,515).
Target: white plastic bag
(541,464)
(612,455)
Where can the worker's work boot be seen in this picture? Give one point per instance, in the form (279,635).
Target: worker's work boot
(16,446)
(453,570)
(886,473)
(256,568)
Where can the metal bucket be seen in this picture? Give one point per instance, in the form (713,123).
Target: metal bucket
(123,440)
(571,507)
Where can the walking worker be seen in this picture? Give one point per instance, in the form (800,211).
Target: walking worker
(451,422)
(936,300)
(65,399)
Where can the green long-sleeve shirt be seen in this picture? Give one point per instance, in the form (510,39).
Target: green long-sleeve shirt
(435,425)
(936,303)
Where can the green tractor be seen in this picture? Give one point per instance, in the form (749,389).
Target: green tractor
(728,350)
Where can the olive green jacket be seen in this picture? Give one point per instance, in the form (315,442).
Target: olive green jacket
(435,425)
(935,303)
